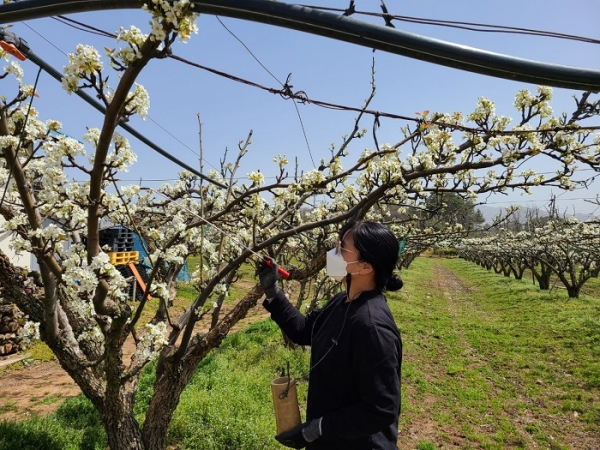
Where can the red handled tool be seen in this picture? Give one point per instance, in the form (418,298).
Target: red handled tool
(13,44)
(284,273)
(10,48)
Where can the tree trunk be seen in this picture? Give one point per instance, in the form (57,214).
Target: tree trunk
(543,281)
(519,271)
(175,375)
(573,285)
(167,392)
(116,411)
(122,430)
(574,290)
(543,276)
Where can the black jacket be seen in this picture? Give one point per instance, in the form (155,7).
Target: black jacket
(354,381)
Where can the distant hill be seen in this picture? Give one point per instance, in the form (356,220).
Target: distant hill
(489,212)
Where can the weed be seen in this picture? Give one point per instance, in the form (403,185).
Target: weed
(39,351)
(7,407)
(47,400)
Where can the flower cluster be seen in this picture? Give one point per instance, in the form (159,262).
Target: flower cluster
(153,339)
(122,157)
(15,70)
(31,333)
(125,56)
(257,178)
(537,104)
(83,64)
(167,16)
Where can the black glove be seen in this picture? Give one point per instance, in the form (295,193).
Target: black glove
(268,276)
(300,436)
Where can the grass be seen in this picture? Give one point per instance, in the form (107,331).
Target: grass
(75,426)
(47,399)
(40,351)
(492,362)
(231,392)
(489,363)
(7,407)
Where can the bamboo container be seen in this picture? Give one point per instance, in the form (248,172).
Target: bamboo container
(285,402)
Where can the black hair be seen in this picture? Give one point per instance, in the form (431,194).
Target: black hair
(377,245)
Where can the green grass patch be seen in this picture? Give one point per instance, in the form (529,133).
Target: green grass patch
(228,404)
(489,362)
(75,426)
(7,407)
(495,360)
(187,292)
(46,400)
(39,351)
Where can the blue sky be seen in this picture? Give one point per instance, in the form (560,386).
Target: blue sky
(326,70)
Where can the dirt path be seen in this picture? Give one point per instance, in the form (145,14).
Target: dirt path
(37,389)
(40,388)
(425,428)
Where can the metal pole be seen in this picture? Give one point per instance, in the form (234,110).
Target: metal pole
(379,37)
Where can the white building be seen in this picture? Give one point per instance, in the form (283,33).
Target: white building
(23,259)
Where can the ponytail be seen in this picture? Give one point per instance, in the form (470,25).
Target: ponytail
(395,283)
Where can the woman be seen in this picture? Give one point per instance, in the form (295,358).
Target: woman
(356,351)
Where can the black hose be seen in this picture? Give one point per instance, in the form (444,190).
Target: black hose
(344,28)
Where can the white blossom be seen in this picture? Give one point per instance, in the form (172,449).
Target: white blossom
(31,333)
(15,70)
(84,63)
(257,178)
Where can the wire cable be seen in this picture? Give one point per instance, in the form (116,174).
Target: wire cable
(286,93)
(276,79)
(44,38)
(301,96)
(82,26)
(469,26)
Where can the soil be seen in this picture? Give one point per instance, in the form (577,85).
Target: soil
(38,388)
(423,429)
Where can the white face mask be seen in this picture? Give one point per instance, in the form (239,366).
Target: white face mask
(336,265)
